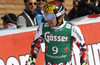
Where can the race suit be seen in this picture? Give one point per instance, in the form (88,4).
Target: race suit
(58,43)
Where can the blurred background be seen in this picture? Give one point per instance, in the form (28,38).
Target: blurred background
(17,6)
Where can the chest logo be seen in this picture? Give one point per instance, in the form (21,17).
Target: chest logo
(51,37)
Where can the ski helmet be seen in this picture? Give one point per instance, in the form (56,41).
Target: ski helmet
(55,7)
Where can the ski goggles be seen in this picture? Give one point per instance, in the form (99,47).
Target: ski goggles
(31,3)
(49,16)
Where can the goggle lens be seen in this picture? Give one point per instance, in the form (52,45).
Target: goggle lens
(49,16)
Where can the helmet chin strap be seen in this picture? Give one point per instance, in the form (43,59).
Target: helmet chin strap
(60,21)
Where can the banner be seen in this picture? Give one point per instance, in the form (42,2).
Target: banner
(91,34)
(89,26)
(15,44)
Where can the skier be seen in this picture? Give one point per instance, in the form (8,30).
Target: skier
(59,36)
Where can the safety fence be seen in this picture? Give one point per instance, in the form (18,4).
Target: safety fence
(15,44)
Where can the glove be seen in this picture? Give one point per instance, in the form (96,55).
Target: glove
(84,64)
(30,61)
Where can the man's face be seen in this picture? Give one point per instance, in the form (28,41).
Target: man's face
(30,5)
(52,23)
(41,3)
